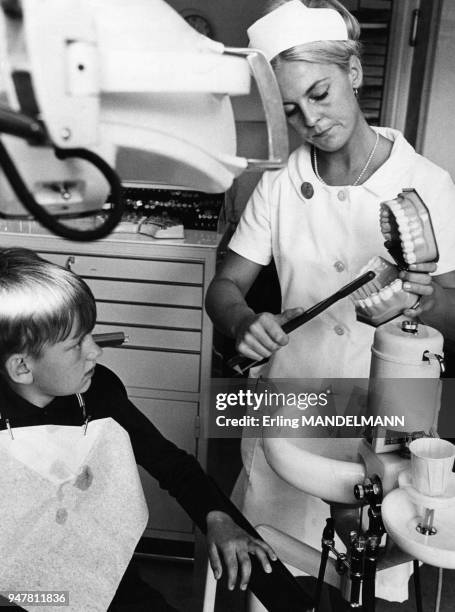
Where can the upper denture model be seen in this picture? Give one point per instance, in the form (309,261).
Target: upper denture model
(406,226)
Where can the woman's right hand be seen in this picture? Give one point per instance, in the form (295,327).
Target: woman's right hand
(259,335)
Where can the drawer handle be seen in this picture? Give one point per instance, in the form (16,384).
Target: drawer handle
(71,260)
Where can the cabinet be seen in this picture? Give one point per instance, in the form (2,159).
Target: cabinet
(153,291)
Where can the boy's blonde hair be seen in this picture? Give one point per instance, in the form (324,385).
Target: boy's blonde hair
(336,52)
(39,304)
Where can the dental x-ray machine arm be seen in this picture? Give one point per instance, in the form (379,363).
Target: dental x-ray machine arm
(85,78)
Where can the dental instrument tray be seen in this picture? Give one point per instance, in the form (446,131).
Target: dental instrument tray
(189,209)
(406,225)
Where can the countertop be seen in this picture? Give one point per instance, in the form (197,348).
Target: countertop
(193,238)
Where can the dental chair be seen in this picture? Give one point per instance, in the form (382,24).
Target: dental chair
(302,559)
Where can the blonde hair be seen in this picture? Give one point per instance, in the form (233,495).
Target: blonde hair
(40,302)
(336,52)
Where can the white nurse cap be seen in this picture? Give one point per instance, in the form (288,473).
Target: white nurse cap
(293,24)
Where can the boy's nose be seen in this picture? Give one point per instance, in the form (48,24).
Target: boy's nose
(93,351)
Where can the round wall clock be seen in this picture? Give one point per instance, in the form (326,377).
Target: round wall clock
(199,22)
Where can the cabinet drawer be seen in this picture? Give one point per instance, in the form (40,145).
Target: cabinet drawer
(151,316)
(177,340)
(147,293)
(141,269)
(176,421)
(154,369)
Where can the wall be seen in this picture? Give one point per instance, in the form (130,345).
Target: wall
(230,18)
(438,132)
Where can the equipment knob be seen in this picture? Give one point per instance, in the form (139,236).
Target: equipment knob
(370,489)
(359,491)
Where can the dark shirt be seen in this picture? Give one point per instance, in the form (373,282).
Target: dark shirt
(176,471)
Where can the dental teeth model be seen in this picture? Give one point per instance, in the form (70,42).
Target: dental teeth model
(383,298)
(406,226)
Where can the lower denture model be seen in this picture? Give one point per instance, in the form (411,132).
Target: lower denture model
(409,237)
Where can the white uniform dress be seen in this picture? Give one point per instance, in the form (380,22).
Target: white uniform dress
(319,244)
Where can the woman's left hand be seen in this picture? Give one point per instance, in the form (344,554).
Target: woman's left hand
(228,542)
(417,280)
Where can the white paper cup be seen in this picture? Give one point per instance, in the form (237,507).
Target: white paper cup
(431,465)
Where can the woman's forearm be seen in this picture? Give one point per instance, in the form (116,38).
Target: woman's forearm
(226,306)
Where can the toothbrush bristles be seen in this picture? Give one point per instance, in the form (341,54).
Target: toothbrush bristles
(375,285)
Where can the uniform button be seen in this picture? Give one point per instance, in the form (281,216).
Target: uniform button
(339,266)
(307,190)
(339,330)
(342,195)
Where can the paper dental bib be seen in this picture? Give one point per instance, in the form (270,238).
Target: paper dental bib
(72,511)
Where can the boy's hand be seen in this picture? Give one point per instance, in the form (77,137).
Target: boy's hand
(229,542)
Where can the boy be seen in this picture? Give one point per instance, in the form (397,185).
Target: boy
(48,355)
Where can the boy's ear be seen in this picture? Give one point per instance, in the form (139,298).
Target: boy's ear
(355,72)
(18,369)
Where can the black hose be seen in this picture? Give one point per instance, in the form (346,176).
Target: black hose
(328,534)
(21,125)
(417,586)
(320,581)
(114,215)
(369,584)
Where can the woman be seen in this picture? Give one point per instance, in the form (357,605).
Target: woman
(319,220)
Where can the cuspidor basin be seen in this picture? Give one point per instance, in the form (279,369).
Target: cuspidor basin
(401,517)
